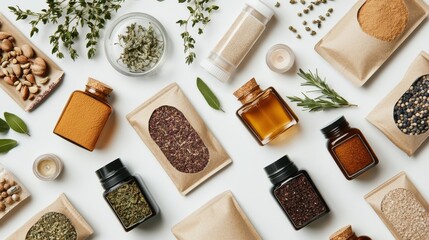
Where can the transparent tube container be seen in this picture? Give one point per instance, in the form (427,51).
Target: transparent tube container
(238,40)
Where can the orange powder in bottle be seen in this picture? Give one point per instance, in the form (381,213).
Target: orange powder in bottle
(85,115)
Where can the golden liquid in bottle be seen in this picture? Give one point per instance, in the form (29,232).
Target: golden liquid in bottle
(267,117)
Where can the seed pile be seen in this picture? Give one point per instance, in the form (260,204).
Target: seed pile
(406,214)
(411,111)
(141,47)
(317,22)
(129,203)
(300,201)
(53,226)
(9,193)
(21,68)
(178,140)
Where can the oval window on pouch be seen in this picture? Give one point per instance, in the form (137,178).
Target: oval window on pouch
(178,140)
(412,109)
(385,20)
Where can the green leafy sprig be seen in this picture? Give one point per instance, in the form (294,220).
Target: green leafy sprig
(208,95)
(328,98)
(70,17)
(199,15)
(17,124)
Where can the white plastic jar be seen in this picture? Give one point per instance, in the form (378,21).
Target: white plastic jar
(238,40)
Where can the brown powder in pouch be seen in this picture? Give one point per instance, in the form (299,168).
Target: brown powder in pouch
(179,139)
(383,19)
(59,220)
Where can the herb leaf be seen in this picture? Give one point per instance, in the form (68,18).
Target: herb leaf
(4,127)
(199,17)
(208,95)
(16,123)
(329,98)
(70,17)
(7,144)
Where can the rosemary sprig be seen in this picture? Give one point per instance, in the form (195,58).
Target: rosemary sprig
(70,16)
(199,15)
(329,98)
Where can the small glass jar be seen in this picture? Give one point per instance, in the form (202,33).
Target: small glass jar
(280,58)
(346,233)
(296,193)
(126,195)
(349,148)
(47,167)
(238,40)
(85,115)
(265,114)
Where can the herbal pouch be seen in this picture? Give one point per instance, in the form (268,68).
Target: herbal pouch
(27,98)
(220,218)
(171,128)
(60,220)
(15,192)
(403,114)
(359,44)
(401,207)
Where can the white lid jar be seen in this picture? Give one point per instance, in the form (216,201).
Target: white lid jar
(238,40)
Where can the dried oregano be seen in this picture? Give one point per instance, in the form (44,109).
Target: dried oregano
(142,48)
(52,225)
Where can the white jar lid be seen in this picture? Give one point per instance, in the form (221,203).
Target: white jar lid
(262,8)
(216,71)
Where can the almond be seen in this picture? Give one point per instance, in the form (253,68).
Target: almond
(30,78)
(22,59)
(8,80)
(24,92)
(27,50)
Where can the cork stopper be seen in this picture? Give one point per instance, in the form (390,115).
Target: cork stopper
(249,90)
(345,233)
(99,86)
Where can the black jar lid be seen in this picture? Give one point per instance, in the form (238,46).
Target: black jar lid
(340,122)
(112,174)
(281,169)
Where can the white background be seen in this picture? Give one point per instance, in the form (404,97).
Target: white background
(305,145)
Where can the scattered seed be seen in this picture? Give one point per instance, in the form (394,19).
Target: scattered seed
(313,33)
(328,14)
(308,29)
(298,36)
(330,10)
(292,1)
(299,14)
(322,18)
(304,23)
(277,5)
(306,11)
(302,2)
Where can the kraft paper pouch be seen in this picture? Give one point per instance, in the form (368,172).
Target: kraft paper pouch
(386,114)
(357,54)
(220,218)
(179,139)
(401,207)
(14,187)
(60,220)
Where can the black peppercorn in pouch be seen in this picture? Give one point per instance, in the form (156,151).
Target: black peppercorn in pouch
(180,140)
(59,220)
(404,113)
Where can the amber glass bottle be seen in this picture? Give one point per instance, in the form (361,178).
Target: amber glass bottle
(85,115)
(264,113)
(346,233)
(349,148)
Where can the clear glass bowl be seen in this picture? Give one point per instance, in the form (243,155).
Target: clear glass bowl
(114,50)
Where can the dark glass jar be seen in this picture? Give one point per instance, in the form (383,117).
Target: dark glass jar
(296,193)
(127,195)
(349,148)
(346,233)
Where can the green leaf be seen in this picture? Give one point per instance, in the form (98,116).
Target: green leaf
(208,95)
(16,123)
(7,144)
(4,127)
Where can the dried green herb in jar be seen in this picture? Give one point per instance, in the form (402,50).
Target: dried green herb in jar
(142,48)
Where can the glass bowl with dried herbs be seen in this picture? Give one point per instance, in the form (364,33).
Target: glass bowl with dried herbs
(136,44)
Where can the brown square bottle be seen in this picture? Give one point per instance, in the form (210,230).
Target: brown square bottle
(85,115)
(264,112)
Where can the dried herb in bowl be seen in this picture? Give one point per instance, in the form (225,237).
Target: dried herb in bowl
(142,48)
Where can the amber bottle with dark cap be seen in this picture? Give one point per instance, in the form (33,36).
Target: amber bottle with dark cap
(265,114)
(349,148)
(346,233)
(85,115)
